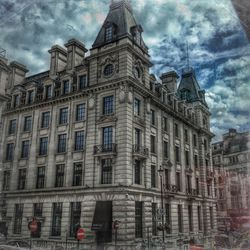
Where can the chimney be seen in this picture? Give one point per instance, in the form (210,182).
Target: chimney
(75,53)
(18,73)
(4,75)
(169,80)
(58,59)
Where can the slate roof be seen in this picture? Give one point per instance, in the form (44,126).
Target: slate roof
(189,88)
(121,16)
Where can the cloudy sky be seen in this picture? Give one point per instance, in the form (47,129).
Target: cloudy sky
(218,48)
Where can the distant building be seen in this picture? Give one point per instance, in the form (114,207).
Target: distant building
(231,160)
(82,143)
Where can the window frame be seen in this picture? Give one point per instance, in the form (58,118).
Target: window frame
(27,124)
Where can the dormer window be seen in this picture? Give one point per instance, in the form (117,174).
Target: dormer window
(138,37)
(108,33)
(48,92)
(65,87)
(16,100)
(31,95)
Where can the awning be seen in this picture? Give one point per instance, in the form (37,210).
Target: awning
(102,220)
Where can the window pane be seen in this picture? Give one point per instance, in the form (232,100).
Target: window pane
(82,82)
(59,175)
(79,140)
(138,219)
(80,112)
(17,228)
(27,124)
(107,138)
(106,177)
(137,105)
(63,116)
(43,146)
(77,174)
(25,149)
(153,176)
(56,219)
(40,177)
(12,127)
(137,172)
(108,33)
(75,216)
(21,179)
(45,120)
(9,151)
(61,148)
(108,105)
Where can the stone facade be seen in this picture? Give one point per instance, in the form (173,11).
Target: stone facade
(151,126)
(231,158)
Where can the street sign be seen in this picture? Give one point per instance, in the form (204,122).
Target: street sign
(80,234)
(33,226)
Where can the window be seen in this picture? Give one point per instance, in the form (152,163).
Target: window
(152,144)
(9,151)
(197,186)
(25,149)
(195,140)
(196,161)
(138,37)
(65,87)
(165,124)
(211,217)
(17,228)
(168,218)
(205,144)
(165,149)
(31,95)
(12,127)
(6,180)
(186,135)
(166,177)
(77,174)
(61,146)
(137,137)
(177,154)
(176,130)
(180,222)
(56,219)
(80,112)
(152,117)
(40,178)
(187,158)
(48,91)
(82,82)
(178,181)
(190,218)
(75,217)
(137,106)
(63,118)
(45,119)
(108,33)
(38,213)
(137,72)
(79,140)
(189,184)
(108,105)
(59,175)
(107,134)
(43,148)
(153,176)
(106,177)
(137,176)
(138,219)
(154,221)
(21,179)
(16,101)
(199,217)
(27,124)
(208,187)
(108,70)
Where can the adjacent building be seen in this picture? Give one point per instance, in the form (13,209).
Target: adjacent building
(83,143)
(231,158)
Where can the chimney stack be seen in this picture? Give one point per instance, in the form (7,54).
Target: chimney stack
(58,59)
(75,53)
(169,80)
(18,73)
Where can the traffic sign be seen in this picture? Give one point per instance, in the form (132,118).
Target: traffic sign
(80,234)
(33,226)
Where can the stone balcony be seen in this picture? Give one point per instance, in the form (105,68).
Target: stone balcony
(191,193)
(140,151)
(170,190)
(105,149)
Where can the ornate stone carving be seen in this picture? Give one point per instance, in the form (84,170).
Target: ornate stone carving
(91,102)
(110,59)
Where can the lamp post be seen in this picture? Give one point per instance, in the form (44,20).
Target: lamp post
(160,171)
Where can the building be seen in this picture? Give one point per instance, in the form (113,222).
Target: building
(231,158)
(83,143)
(242,10)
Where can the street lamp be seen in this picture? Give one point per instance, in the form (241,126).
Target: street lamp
(160,171)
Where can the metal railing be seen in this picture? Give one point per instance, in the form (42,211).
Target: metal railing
(105,148)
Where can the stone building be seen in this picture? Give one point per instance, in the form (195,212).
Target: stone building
(231,158)
(82,144)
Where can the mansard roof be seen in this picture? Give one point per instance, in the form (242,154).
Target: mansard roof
(189,88)
(121,17)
